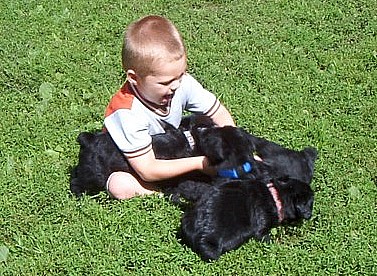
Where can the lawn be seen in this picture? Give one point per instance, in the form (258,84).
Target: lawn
(300,73)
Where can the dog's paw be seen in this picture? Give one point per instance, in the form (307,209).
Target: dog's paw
(76,188)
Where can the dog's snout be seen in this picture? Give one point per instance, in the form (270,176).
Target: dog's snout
(305,211)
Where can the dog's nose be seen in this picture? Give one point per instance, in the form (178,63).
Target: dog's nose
(305,211)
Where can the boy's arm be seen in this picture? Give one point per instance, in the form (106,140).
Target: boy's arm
(222,117)
(151,169)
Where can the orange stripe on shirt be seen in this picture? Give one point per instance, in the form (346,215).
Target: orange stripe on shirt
(121,100)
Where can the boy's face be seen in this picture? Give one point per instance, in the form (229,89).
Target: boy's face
(159,88)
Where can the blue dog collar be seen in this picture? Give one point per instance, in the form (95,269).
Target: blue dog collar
(233,173)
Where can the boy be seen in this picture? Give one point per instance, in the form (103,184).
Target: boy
(157,88)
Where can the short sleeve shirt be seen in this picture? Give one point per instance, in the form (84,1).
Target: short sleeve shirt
(131,123)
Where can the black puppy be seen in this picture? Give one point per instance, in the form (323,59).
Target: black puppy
(228,146)
(229,159)
(230,150)
(99,157)
(232,212)
(283,162)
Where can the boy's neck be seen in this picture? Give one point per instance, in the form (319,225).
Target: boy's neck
(161,110)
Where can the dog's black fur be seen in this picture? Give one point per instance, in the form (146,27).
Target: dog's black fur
(99,156)
(224,212)
(283,162)
(232,212)
(217,143)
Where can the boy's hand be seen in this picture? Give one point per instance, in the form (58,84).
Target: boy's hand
(207,168)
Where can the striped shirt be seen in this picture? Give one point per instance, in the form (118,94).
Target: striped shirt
(131,121)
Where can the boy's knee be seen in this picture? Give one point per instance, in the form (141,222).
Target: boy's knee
(123,185)
(119,185)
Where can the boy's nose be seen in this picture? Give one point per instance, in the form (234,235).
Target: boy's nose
(175,84)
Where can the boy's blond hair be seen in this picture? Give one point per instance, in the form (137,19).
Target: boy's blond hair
(149,40)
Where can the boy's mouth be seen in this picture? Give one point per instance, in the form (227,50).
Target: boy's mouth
(167,99)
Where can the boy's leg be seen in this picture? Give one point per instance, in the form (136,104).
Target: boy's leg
(122,185)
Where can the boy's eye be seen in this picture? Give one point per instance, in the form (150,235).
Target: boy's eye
(165,83)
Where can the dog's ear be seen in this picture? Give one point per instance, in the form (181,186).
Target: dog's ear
(85,138)
(253,141)
(193,121)
(163,124)
(218,155)
(166,126)
(186,123)
(203,121)
(311,153)
(210,144)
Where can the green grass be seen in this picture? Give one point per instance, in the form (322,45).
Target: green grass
(296,72)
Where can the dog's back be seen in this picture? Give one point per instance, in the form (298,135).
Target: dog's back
(232,212)
(99,157)
(283,162)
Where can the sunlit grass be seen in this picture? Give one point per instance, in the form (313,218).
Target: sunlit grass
(296,72)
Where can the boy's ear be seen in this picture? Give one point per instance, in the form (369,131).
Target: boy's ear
(131,77)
